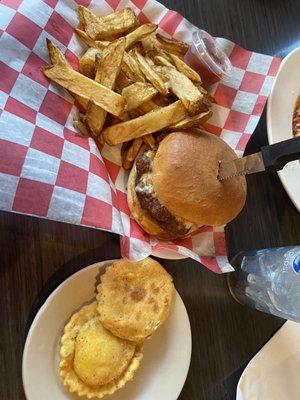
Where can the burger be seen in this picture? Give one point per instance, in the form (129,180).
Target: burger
(174,189)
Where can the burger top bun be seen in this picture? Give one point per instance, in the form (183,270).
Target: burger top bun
(185,178)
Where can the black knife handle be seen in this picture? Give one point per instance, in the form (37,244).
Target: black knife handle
(276,155)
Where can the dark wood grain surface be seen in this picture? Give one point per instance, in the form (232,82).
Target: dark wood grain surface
(36,255)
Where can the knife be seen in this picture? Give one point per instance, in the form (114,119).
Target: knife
(271,158)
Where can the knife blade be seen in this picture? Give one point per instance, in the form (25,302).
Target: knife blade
(241,166)
(271,158)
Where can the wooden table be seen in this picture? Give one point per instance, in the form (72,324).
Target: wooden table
(37,254)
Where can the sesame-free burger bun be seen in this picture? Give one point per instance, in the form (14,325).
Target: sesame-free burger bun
(185,178)
(141,216)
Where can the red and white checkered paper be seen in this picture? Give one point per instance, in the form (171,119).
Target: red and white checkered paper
(48,171)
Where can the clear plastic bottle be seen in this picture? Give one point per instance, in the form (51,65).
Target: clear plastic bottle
(268,280)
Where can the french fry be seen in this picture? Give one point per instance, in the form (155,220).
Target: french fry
(184,89)
(130,153)
(148,106)
(55,54)
(82,102)
(81,127)
(191,122)
(149,60)
(110,65)
(149,140)
(150,43)
(138,34)
(106,74)
(99,44)
(159,70)
(151,122)
(206,95)
(138,46)
(172,46)
(137,94)
(85,16)
(86,64)
(122,82)
(131,38)
(185,69)
(143,109)
(86,88)
(150,74)
(160,60)
(131,68)
(110,25)
(142,150)
(57,57)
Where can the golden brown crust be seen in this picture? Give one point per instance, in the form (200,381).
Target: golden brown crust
(116,378)
(185,180)
(134,298)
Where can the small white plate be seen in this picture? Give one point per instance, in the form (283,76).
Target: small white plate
(273,373)
(164,367)
(281,105)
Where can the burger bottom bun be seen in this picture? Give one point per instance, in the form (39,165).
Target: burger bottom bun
(142,217)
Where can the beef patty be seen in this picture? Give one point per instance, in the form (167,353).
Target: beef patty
(149,201)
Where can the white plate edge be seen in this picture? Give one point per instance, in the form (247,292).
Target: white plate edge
(270,136)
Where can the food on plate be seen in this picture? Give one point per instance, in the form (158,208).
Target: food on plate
(150,74)
(134,298)
(107,26)
(191,122)
(153,121)
(184,89)
(80,126)
(131,69)
(86,88)
(131,151)
(185,69)
(139,34)
(173,46)
(137,94)
(101,346)
(132,82)
(57,57)
(86,64)
(94,362)
(163,61)
(105,74)
(99,44)
(296,119)
(175,189)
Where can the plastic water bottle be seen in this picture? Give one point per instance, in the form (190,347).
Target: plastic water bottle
(268,280)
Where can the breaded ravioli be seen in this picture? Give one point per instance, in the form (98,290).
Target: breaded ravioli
(134,298)
(93,361)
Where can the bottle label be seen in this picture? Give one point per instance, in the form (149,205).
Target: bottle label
(296,264)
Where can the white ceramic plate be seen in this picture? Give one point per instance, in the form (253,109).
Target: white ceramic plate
(280,110)
(273,373)
(164,367)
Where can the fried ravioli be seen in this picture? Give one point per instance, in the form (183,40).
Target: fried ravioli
(134,298)
(93,361)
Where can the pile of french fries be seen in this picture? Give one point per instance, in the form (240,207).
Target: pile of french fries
(133,86)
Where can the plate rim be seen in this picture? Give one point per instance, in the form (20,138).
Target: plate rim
(42,308)
(270,136)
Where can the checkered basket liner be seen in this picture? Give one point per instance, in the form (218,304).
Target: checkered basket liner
(47,170)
